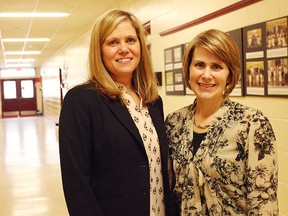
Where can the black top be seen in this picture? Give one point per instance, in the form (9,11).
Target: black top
(197,139)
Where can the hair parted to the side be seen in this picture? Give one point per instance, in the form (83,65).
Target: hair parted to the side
(220,44)
(144,78)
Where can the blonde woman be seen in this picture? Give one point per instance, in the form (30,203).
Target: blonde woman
(113,146)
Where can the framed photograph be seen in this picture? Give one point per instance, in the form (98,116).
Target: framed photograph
(277,76)
(254,41)
(254,38)
(254,57)
(168,56)
(168,59)
(179,82)
(276,38)
(178,54)
(255,79)
(169,82)
(169,78)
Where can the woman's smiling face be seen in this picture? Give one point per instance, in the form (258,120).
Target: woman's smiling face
(208,75)
(121,51)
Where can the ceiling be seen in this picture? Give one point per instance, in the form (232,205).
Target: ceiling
(61,31)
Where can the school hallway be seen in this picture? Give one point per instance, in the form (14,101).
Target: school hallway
(30,172)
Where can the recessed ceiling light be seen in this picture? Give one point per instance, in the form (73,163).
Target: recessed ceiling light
(22,53)
(25,39)
(34,15)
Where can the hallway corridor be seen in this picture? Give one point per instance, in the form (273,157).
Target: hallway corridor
(30,179)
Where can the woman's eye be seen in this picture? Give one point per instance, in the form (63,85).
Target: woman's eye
(199,65)
(131,40)
(217,67)
(112,42)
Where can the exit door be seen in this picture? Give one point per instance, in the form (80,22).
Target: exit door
(18,97)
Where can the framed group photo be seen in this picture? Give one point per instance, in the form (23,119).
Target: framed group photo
(277,76)
(265,58)
(277,52)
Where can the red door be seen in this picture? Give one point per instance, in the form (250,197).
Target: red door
(18,97)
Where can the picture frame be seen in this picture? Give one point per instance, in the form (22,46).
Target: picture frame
(276,37)
(169,82)
(277,57)
(174,80)
(255,78)
(254,58)
(254,41)
(277,76)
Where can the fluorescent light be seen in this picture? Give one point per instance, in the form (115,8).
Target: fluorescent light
(34,15)
(18,65)
(25,39)
(22,53)
(20,60)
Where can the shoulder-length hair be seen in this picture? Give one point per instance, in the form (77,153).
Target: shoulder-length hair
(143,80)
(220,44)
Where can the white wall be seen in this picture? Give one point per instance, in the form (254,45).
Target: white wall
(73,59)
(166,14)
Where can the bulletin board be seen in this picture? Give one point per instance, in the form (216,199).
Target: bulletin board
(174,79)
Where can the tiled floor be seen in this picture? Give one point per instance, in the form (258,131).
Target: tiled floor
(30,180)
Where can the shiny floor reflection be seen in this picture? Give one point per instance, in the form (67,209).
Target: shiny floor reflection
(30,179)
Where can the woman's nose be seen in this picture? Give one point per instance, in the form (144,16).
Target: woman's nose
(206,73)
(123,47)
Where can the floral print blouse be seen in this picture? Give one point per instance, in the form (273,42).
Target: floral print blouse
(234,171)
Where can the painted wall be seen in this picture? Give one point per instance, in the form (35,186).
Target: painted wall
(166,14)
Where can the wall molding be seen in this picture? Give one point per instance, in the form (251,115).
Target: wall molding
(225,10)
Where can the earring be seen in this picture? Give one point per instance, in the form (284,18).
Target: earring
(226,90)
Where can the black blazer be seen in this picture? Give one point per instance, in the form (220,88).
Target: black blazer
(104,166)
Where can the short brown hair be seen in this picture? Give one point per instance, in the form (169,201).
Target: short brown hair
(220,44)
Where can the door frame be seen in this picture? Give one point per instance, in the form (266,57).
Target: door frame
(19,106)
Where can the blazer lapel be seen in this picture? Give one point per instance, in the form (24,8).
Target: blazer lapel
(123,115)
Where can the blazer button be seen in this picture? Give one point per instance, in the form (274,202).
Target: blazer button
(143,166)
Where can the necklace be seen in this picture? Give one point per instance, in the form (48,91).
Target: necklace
(199,126)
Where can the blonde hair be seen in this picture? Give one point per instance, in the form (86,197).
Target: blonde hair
(143,80)
(220,44)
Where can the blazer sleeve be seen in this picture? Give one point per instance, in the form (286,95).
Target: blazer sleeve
(75,145)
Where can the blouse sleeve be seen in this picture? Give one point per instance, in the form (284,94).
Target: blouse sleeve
(262,168)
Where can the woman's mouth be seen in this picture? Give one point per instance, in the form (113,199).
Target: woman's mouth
(203,85)
(124,60)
